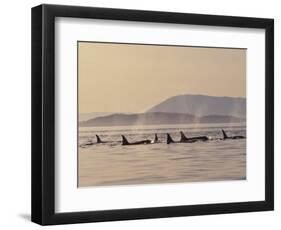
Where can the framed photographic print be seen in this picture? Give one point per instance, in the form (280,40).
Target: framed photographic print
(142,114)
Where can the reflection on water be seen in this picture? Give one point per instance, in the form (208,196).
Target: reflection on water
(114,164)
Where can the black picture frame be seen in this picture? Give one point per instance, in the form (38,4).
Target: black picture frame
(43,114)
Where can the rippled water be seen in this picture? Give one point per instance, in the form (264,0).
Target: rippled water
(113,164)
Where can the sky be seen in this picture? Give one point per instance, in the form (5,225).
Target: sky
(132,78)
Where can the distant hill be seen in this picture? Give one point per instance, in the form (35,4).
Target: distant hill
(157,118)
(182,109)
(200,105)
(88,116)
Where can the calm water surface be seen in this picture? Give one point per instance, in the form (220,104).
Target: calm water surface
(114,164)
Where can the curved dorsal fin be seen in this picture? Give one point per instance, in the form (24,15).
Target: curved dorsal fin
(224,134)
(124,140)
(169,139)
(183,137)
(98,139)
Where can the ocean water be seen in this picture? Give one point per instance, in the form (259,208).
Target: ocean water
(113,164)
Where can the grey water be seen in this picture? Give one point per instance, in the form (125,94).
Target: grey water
(111,163)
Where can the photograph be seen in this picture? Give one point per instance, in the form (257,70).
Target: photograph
(142,114)
(154,114)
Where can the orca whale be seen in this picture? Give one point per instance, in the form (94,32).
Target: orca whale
(184,139)
(232,137)
(126,142)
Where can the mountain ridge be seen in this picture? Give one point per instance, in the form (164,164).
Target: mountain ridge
(180,109)
(202,105)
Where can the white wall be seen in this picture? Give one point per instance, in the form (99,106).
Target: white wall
(15,114)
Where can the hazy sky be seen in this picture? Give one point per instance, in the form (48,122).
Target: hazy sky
(133,78)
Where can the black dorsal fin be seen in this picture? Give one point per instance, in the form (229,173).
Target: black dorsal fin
(183,137)
(98,139)
(124,140)
(169,139)
(224,134)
